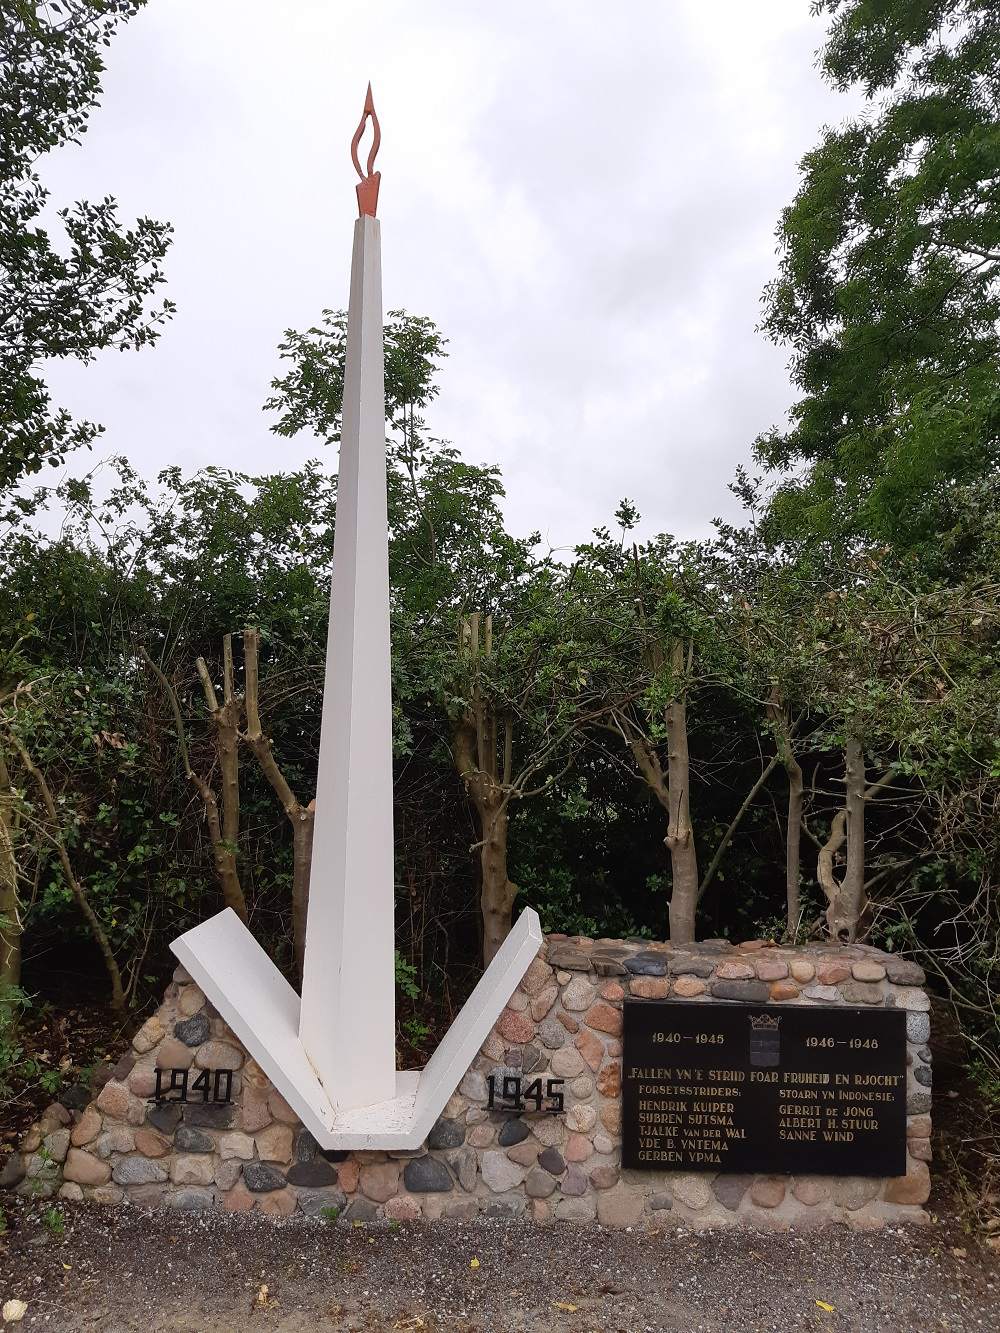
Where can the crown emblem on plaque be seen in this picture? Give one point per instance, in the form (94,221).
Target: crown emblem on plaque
(764,1022)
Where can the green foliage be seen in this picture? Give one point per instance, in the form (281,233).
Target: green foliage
(330,1214)
(54,1223)
(89,288)
(889,287)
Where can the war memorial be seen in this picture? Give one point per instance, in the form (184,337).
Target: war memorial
(601,1081)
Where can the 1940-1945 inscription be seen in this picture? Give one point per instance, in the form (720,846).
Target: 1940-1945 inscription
(735,1087)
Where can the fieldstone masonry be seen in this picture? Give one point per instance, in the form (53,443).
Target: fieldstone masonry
(564,1021)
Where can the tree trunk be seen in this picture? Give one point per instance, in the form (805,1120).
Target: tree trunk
(301,817)
(498,893)
(484,762)
(76,888)
(844,925)
(680,834)
(782,730)
(846,900)
(10,918)
(223,857)
(224,831)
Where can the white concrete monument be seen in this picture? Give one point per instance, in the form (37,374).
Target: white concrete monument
(332,1054)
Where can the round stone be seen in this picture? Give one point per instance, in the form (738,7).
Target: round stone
(567,1062)
(193,1031)
(802,970)
(689,986)
(512,1131)
(734,971)
(193,1140)
(446,1134)
(538,1184)
(646,964)
(137,1171)
(581,1118)
(500,1173)
(261,1179)
(918,1027)
(578,995)
(551,1033)
(312,1175)
(867,970)
(551,1160)
(217,1055)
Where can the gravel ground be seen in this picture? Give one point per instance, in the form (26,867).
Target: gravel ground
(126,1270)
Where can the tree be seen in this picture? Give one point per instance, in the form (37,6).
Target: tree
(90,289)
(889,287)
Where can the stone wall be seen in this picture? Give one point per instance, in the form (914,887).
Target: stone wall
(564,1021)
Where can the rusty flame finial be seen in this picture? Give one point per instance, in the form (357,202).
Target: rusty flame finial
(368,188)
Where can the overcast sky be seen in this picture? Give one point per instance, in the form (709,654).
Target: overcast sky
(583,196)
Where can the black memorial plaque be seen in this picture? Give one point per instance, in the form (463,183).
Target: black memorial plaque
(738,1087)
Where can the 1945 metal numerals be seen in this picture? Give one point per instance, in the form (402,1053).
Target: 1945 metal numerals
(508,1093)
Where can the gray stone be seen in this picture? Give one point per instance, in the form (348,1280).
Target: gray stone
(512,1131)
(729,1190)
(426,1175)
(861,992)
(647,965)
(312,1175)
(754,992)
(313,1202)
(924,1054)
(260,1179)
(538,1184)
(56,1144)
(552,1161)
(500,1173)
(531,1058)
(904,972)
(188,1139)
(473,1086)
(574,1183)
(659,1203)
(217,1115)
(446,1134)
(193,1031)
(607,965)
(137,1171)
(507,1209)
(14,1171)
(361,1210)
(465,1165)
(827,994)
(686,966)
(911,999)
(191,1200)
(306,1147)
(918,1103)
(923,1075)
(569,957)
(164,1117)
(552,1034)
(918,1027)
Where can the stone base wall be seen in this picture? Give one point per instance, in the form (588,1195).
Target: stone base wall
(564,1021)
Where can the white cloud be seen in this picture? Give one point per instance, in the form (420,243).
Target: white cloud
(583,198)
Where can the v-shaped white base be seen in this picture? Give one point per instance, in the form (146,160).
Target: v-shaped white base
(262,1009)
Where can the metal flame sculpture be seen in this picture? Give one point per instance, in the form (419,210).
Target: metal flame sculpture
(369,183)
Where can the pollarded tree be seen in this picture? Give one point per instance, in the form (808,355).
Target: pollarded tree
(89,289)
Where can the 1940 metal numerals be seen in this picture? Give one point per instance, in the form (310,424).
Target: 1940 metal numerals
(508,1093)
(213,1086)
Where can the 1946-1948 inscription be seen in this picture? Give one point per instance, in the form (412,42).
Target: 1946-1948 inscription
(735,1087)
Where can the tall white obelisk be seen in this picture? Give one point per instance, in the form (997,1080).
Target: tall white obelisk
(347,1021)
(332,1054)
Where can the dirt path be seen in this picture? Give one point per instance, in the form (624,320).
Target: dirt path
(128,1270)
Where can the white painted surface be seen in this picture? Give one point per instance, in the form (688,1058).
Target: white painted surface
(263,1010)
(347,1022)
(260,1007)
